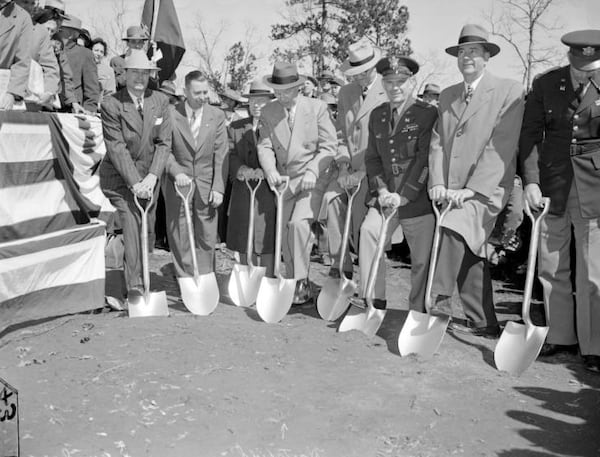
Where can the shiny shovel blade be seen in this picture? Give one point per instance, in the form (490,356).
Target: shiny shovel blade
(274,298)
(354,319)
(518,347)
(422,334)
(334,298)
(152,304)
(244,283)
(373,322)
(200,295)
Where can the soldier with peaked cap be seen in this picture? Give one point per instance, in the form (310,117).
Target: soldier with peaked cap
(243,165)
(136,123)
(396,162)
(472,166)
(356,101)
(560,158)
(297,138)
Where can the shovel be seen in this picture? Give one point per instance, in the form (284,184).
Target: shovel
(334,297)
(520,344)
(245,279)
(422,333)
(369,319)
(200,294)
(150,303)
(275,295)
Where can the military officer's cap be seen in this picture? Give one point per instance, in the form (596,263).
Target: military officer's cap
(397,67)
(584,49)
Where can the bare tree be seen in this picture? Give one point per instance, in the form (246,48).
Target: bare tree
(111,30)
(521,24)
(434,68)
(205,47)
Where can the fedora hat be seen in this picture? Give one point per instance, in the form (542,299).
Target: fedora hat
(474,34)
(327,75)
(259,88)
(57,5)
(285,76)
(137,60)
(71,22)
(136,32)
(232,95)
(584,49)
(431,88)
(168,88)
(361,57)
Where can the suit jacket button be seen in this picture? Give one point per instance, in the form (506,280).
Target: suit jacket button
(391,141)
(575,128)
(459,132)
(573,140)
(392,150)
(576,116)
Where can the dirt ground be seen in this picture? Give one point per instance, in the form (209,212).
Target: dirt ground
(230,385)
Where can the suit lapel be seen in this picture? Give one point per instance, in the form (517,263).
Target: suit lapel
(183,125)
(458,104)
(6,21)
(372,99)
(481,97)
(131,114)
(590,97)
(281,129)
(148,109)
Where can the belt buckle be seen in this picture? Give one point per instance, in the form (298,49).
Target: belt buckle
(396,169)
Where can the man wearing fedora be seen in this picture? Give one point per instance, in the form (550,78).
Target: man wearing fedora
(297,138)
(431,94)
(136,123)
(356,101)
(200,147)
(560,158)
(396,161)
(472,166)
(244,165)
(136,37)
(14,51)
(83,68)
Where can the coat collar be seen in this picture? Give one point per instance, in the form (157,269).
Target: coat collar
(7,18)
(480,98)
(374,97)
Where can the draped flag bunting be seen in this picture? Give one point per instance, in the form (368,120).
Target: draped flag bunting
(160,18)
(52,233)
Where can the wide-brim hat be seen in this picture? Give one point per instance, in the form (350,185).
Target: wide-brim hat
(136,32)
(285,76)
(362,56)
(431,88)
(232,95)
(259,89)
(584,49)
(474,34)
(58,6)
(71,22)
(168,88)
(137,60)
(312,79)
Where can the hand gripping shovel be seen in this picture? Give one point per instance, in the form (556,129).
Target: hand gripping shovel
(423,333)
(275,295)
(520,344)
(150,303)
(200,294)
(370,319)
(245,279)
(334,297)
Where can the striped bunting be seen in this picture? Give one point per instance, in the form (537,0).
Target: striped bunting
(52,274)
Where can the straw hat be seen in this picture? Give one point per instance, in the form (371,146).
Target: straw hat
(361,57)
(474,34)
(137,59)
(259,88)
(285,76)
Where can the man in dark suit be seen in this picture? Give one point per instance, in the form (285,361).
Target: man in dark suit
(396,160)
(83,67)
(137,132)
(199,148)
(560,158)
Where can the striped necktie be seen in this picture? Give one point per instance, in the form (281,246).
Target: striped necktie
(194,127)
(140,107)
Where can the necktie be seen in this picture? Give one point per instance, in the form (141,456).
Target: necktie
(194,128)
(140,108)
(579,92)
(290,118)
(394,117)
(469,94)
(364,92)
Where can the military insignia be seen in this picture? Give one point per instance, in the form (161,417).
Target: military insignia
(394,63)
(589,51)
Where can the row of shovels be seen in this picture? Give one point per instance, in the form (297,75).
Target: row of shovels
(422,332)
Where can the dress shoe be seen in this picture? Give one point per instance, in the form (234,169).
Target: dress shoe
(549,349)
(302,294)
(491,331)
(592,363)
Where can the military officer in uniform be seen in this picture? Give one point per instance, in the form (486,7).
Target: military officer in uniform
(396,161)
(560,158)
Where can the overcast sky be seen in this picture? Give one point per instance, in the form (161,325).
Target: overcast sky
(433,26)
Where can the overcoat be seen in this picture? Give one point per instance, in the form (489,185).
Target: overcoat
(475,146)
(243,152)
(16,34)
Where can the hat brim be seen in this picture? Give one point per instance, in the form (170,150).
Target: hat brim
(583,64)
(127,38)
(350,70)
(263,94)
(268,80)
(492,48)
(140,67)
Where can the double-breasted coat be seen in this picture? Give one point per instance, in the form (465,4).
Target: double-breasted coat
(475,146)
(243,152)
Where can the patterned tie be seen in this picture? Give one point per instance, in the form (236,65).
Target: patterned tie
(469,94)
(194,127)
(364,92)
(140,107)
